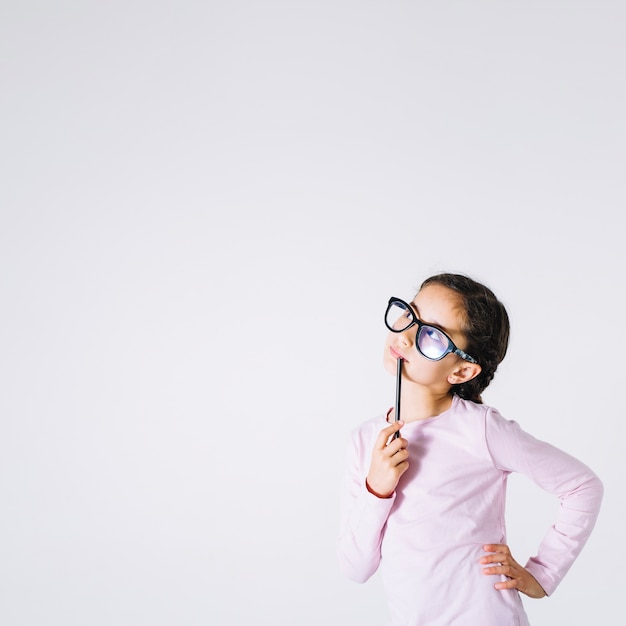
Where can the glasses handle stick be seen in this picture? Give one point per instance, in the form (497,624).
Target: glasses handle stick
(398,388)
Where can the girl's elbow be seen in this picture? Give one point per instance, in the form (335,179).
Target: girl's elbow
(356,574)
(355,565)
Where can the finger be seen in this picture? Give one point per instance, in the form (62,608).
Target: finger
(402,467)
(498,557)
(385,433)
(390,457)
(497,547)
(502,570)
(399,457)
(393,447)
(512,583)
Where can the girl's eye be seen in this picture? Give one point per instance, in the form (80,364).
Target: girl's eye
(434,336)
(432,343)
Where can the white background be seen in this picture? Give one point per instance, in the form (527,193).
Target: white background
(204,209)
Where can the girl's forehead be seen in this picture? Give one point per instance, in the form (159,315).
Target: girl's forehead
(440,305)
(439,295)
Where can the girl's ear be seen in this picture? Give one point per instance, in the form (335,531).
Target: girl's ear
(464,372)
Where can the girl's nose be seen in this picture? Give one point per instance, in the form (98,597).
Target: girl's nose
(407,338)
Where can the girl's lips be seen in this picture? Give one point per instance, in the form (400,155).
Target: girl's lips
(397,355)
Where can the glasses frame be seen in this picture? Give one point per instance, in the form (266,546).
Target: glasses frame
(414,321)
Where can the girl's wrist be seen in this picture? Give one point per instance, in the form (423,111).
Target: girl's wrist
(375,493)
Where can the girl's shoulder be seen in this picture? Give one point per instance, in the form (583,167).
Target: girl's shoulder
(474,410)
(496,428)
(479,418)
(371,427)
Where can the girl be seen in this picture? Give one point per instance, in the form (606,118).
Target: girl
(424,497)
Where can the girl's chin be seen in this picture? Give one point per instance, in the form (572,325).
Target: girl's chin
(390,365)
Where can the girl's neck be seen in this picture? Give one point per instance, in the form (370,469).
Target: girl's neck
(420,406)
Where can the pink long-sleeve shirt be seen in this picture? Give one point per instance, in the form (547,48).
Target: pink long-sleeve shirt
(428,537)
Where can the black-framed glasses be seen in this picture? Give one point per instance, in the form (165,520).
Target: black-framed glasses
(430,341)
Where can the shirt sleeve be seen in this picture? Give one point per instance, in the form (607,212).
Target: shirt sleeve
(576,486)
(362,516)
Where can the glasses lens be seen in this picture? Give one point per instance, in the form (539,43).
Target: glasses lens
(433,344)
(399,316)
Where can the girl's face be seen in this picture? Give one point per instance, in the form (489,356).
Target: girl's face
(441,307)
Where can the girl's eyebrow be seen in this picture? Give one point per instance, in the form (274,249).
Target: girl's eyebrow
(416,311)
(434,324)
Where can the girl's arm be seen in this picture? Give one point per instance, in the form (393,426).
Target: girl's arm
(363,513)
(576,486)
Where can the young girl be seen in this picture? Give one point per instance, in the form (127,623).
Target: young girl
(424,497)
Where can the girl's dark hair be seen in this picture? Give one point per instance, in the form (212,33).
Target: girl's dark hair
(486,329)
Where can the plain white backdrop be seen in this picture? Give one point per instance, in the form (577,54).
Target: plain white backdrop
(204,207)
